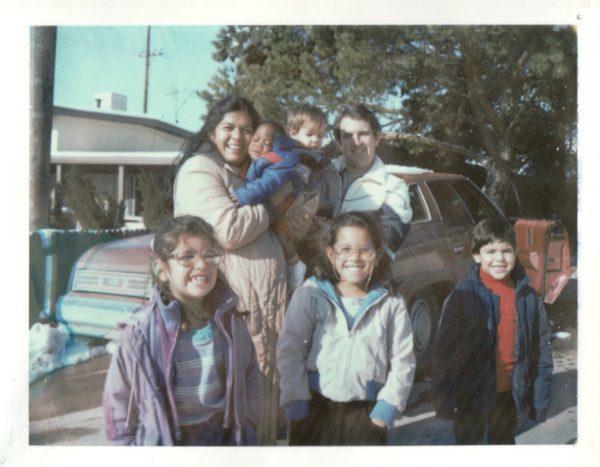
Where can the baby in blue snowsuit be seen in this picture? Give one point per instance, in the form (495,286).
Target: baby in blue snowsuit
(279,171)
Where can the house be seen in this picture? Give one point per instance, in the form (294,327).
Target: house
(111,146)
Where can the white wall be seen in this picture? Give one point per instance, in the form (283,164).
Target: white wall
(86,134)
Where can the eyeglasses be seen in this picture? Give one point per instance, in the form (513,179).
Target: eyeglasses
(188,257)
(364,252)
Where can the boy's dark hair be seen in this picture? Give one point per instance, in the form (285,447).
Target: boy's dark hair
(382,275)
(490,230)
(166,238)
(279,130)
(357,112)
(299,115)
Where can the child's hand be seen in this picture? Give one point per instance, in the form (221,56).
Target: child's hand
(377,422)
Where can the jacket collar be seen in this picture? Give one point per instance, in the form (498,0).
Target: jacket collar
(171,312)
(377,172)
(517,274)
(328,289)
(209,150)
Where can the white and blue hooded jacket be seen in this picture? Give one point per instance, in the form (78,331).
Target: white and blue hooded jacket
(373,360)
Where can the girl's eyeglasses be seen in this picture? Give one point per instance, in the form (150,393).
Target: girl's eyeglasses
(188,257)
(364,252)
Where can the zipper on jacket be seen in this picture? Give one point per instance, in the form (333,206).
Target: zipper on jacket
(132,396)
(165,339)
(348,348)
(338,208)
(366,310)
(229,384)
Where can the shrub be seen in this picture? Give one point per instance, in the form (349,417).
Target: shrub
(92,211)
(155,199)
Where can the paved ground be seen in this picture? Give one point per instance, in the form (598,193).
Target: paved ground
(420,427)
(65,407)
(52,426)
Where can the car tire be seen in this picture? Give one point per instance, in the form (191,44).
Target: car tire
(424,315)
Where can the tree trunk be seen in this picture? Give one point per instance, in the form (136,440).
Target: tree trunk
(43,48)
(496,182)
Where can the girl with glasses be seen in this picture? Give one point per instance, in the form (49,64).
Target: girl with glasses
(185,372)
(214,163)
(345,353)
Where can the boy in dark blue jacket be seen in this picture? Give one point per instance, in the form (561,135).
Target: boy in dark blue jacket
(492,358)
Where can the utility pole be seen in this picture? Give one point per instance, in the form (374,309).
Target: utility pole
(147,55)
(43,51)
(146,69)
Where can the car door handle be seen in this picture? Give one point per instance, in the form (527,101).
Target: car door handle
(457,250)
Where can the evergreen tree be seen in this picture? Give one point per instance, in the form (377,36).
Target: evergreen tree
(501,97)
(156,204)
(92,211)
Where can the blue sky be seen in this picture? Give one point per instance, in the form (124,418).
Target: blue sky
(107,58)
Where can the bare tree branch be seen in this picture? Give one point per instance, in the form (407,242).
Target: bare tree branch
(432,142)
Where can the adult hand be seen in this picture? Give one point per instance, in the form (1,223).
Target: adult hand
(299,222)
(301,214)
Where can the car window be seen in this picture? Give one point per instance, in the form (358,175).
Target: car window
(419,212)
(452,208)
(478,205)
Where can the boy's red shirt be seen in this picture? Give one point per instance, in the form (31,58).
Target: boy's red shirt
(506,330)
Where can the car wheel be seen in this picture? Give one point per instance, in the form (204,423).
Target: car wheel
(424,312)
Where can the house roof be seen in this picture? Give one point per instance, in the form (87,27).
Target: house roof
(123,117)
(115,157)
(90,144)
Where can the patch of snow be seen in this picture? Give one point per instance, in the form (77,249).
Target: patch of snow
(111,347)
(51,348)
(562,335)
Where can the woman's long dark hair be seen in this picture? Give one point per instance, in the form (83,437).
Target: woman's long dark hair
(382,274)
(214,117)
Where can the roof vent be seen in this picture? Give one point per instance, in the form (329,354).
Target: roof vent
(110,101)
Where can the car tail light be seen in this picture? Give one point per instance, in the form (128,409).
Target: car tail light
(119,283)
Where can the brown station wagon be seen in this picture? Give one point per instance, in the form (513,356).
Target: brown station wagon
(112,279)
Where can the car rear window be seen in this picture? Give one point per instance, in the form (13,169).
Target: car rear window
(460,203)
(478,205)
(452,208)
(419,212)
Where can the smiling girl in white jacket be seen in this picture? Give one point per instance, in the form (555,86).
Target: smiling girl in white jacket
(345,353)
